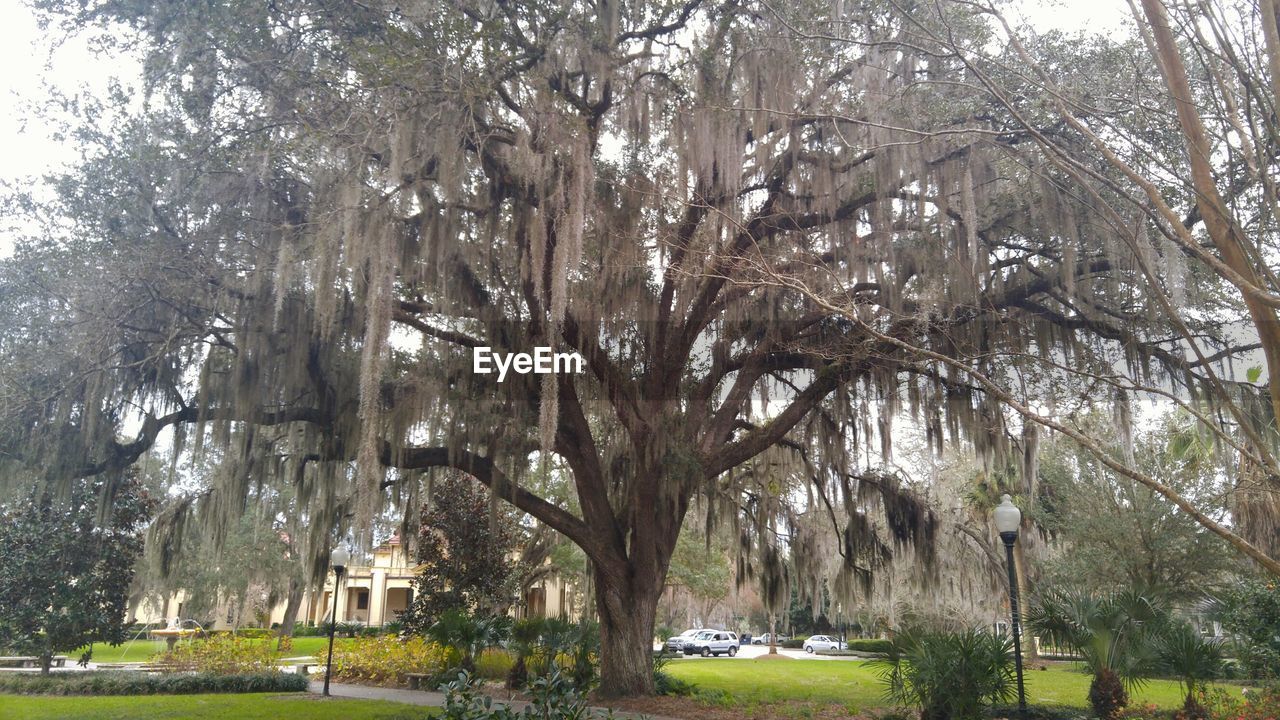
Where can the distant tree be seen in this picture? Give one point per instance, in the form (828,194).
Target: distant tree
(1121,533)
(700,573)
(65,569)
(466,546)
(1250,613)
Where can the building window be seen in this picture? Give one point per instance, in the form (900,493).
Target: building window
(362,599)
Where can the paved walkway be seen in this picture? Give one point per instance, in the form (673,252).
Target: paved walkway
(433,699)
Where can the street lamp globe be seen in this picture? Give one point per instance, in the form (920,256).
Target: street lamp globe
(339,558)
(1008,517)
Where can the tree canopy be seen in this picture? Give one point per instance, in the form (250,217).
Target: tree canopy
(771,233)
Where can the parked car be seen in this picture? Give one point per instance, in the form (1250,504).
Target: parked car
(764,639)
(676,643)
(819,643)
(712,642)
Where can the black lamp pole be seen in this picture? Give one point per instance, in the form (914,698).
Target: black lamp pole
(1009,538)
(333,625)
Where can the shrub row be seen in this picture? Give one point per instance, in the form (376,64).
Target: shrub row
(134,683)
(875,646)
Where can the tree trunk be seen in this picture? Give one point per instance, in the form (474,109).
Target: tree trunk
(46,662)
(626,636)
(773,634)
(291,608)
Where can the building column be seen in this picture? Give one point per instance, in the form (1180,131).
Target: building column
(377,584)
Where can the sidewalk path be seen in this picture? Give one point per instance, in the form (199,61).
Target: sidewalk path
(433,699)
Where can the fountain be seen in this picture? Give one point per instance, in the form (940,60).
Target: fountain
(173,631)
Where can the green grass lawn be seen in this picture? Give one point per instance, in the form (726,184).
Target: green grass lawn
(258,706)
(142,649)
(856,685)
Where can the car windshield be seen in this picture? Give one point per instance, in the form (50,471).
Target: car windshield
(705,635)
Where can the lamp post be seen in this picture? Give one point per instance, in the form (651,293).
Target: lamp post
(338,561)
(1008,519)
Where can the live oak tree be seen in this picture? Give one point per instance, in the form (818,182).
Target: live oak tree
(67,564)
(327,206)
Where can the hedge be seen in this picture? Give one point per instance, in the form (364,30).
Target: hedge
(875,646)
(102,682)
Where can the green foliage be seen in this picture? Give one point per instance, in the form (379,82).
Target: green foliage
(468,634)
(1259,704)
(130,683)
(253,633)
(1250,612)
(875,646)
(388,659)
(794,643)
(1123,534)
(350,629)
(948,674)
(546,645)
(1114,631)
(221,654)
(247,706)
(494,664)
(464,547)
(1183,653)
(553,697)
(66,564)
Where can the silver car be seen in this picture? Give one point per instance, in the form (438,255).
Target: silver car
(712,642)
(676,643)
(823,643)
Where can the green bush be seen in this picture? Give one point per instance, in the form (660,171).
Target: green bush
(553,697)
(875,646)
(387,659)
(350,629)
(222,654)
(254,633)
(1250,613)
(948,675)
(1260,704)
(494,664)
(133,683)
(794,643)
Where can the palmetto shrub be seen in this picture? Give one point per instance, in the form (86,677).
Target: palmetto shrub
(948,675)
(1115,634)
(1182,653)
